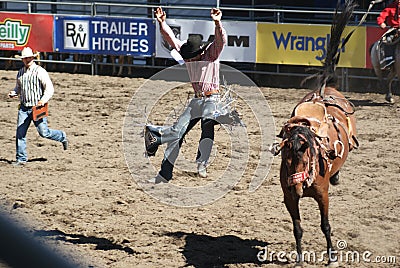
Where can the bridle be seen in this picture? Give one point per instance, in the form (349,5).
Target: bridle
(309,174)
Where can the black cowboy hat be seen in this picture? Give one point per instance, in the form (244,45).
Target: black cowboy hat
(193,47)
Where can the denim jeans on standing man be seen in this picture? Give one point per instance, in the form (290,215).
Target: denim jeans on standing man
(24,120)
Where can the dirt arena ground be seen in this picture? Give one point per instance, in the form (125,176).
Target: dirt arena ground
(85,204)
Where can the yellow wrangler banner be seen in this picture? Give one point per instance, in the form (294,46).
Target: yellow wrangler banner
(303,44)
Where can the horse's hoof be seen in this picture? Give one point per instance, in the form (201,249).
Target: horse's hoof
(333,264)
(389,99)
(334,180)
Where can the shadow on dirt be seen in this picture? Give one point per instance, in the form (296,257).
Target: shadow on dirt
(101,243)
(360,103)
(203,251)
(39,159)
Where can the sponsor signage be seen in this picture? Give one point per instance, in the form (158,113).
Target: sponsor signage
(20,30)
(300,44)
(240,47)
(271,43)
(105,35)
(374,33)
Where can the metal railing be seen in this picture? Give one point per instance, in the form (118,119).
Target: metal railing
(276,15)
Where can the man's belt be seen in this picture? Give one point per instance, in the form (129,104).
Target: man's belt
(25,106)
(207,93)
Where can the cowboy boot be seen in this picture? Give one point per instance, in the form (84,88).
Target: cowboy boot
(152,139)
(201,170)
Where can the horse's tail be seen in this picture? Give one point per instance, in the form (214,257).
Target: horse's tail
(326,75)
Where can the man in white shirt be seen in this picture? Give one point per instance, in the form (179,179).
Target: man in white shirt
(34,89)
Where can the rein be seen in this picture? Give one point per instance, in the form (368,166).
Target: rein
(364,17)
(336,56)
(341,108)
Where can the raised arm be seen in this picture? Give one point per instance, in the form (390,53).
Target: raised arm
(220,38)
(166,31)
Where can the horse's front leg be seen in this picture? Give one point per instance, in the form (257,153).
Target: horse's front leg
(292,205)
(389,97)
(391,77)
(323,203)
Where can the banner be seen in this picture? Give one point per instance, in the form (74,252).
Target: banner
(241,43)
(20,30)
(104,35)
(373,35)
(301,44)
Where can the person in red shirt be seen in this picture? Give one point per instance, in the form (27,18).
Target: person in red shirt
(389,17)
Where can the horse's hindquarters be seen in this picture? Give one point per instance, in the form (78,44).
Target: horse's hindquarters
(375,59)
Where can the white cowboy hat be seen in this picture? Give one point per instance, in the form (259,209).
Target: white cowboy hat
(26,53)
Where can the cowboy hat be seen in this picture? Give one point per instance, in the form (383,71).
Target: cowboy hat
(26,53)
(193,47)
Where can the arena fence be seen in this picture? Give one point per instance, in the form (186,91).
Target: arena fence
(144,9)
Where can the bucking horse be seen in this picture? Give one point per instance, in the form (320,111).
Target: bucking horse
(317,139)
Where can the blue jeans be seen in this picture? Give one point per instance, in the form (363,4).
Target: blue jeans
(203,151)
(24,120)
(204,109)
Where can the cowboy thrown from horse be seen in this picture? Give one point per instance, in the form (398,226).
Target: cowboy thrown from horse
(202,62)
(389,17)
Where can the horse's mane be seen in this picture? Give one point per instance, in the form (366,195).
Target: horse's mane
(326,75)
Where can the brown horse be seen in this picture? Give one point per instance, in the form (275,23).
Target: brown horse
(316,141)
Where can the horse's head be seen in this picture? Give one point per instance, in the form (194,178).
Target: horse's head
(299,154)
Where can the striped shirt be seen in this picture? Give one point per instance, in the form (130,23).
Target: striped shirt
(203,73)
(33,84)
